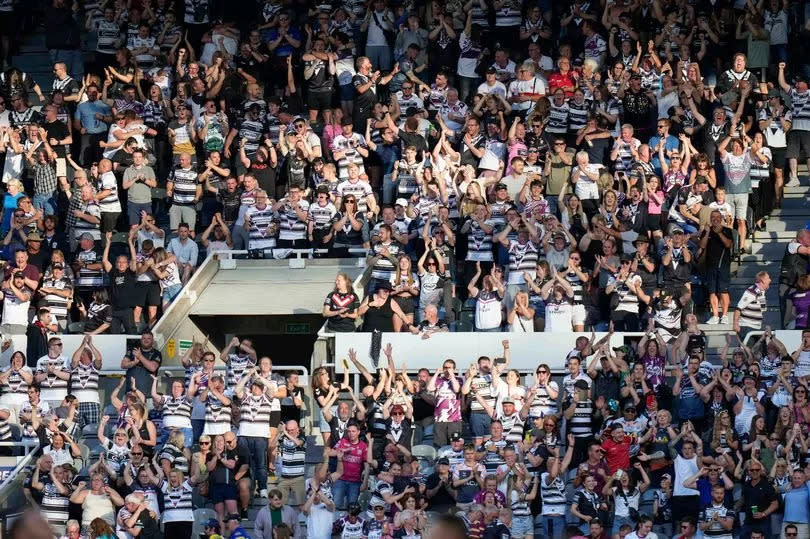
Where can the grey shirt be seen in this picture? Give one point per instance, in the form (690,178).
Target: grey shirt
(139,192)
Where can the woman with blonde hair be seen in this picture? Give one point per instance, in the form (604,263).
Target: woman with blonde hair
(472,197)
(406,289)
(175,455)
(521,316)
(609,207)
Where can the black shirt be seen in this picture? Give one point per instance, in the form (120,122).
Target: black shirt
(97,315)
(122,288)
(442,498)
(362,101)
(336,301)
(59,131)
(222,475)
(759,496)
(717,254)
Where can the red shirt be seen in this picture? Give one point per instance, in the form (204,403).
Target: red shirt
(617,454)
(353,459)
(558,80)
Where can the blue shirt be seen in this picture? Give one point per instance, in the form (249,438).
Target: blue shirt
(186,253)
(239,533)
(672,143)
(797,505)
(86,114)
(284,48)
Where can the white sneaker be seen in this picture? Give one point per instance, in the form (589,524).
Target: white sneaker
(713,321)
(793,182)
(263,493)
(724,319)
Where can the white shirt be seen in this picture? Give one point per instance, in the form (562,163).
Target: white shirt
(684,468)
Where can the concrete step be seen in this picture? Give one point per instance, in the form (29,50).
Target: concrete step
(793,210)
(765,252)
(749,271)
(770,236)
(786,224)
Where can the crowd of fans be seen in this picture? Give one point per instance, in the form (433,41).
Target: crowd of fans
(505,166)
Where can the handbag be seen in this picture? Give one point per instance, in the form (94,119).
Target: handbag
(390,36)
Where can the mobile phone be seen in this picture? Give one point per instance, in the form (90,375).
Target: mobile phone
(500,360)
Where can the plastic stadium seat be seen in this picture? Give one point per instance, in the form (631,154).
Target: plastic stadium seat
(201,516)
(426,454)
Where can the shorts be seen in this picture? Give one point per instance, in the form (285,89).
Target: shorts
(134,211)
(718,280)
(182,214)
(739,204)
(779,158)
(319,100)
(221,493)
(171,292)
(796,142)
(405,303)
(347,92)
(578,315)
(653,221)
(108,221)
(275,419)
(522,526)
(147,294)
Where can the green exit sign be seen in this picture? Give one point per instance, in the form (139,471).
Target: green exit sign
(297,328)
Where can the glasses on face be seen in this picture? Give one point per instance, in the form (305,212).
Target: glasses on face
(559,143)
(205,443)
(349,201)
(791,534)
(407,87)
(231,441)
(398,413)
(136,454)
(754,469)
(542,371)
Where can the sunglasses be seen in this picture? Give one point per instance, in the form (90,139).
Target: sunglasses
(136,454)
(205,443)
(542,371)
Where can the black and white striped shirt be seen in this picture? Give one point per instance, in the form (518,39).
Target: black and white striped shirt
(290,226)
(178,505)
(108,33)
(84,382)
(543,404)
(479,243)
(185,186)
(52,387)
(5,430)
(57,304)
(577,115)
(322,215)
(752,307)
(482,385)
(236,367)
(580,423)
(512,427)
(260,221)
(110,203)
(175,456)
(553,495)
(177,412)
(293,458)
(557,118)
(576,283)
(254,419)
(800,104)
(217,416)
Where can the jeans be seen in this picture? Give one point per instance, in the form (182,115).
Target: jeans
(553,205)
(72,59)
(553,526)
(479,424)
(467,86)
(380,56)
(44,203)
(345,493)
(256,446)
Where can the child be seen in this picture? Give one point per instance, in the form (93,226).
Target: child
(723,207)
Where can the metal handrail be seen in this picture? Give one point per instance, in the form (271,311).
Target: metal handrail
(7,493)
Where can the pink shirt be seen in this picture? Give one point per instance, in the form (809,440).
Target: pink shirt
(353,459)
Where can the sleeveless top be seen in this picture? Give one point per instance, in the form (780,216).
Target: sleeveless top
(97,506)
(380,318)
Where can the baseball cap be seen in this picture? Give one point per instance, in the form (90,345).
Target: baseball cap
(354,509)
(626,257)
(212,523)
(57,266)
(508,400)
(233,516)
(629,406)
(86,236)
(401,202)
(443,460)
(456,436)
(676,230)
(500,186)
(19,274)
(490,70)
(624,349)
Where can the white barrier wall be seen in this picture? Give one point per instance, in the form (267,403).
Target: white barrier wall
(112,348)
(527,349)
